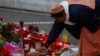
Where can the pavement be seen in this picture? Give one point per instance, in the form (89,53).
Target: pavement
(42,20)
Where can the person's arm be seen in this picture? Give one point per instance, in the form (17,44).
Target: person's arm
(54,33)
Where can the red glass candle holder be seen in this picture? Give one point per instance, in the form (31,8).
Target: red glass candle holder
(26,45)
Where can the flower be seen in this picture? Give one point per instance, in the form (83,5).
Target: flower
(8,32)
(0,36)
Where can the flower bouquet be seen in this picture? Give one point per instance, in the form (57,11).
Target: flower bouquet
(8,37)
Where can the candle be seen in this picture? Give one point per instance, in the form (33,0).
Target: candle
(26,44)
(65,38)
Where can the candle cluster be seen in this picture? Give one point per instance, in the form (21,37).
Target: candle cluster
(21,39)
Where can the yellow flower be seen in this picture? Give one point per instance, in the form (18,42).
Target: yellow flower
(0,36)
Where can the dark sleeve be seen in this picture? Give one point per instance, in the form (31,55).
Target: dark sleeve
(54,33)
(74,30)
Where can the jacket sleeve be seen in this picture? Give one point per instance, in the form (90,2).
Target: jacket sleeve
(54,33)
